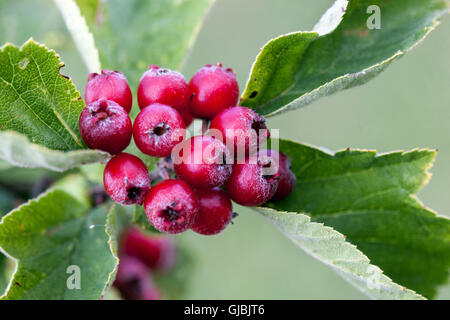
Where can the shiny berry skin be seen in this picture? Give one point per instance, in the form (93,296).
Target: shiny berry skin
(157,129)
(214,212)
(241,127)
(287,179)
(106,126)
(156,252)
(253,182)
(133,280)
(111,85)
(213,89)
(171,206)
(159,85)
(126,179)
(203,162)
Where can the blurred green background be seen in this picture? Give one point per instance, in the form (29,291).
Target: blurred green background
(407,106)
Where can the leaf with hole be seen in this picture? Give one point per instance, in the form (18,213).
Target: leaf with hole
(293,70)
(36,100)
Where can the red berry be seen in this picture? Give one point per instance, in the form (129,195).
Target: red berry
(157,129)
(133,280)
(171,206)
(126,179)
(253,182)
(242,129)
(214,212)
(106,126)
(156,252)
(213,89)
(287,180)
(111,85)
(163,86)
(187,117)
(203,162)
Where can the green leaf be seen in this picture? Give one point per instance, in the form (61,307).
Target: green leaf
(47,235)
(140,219)
(4,165)
(76,186)
(3,280)
(293,70)
(16,149)
(7,199)
(77,26)
(36,100)
(331,248)
(370,199)
(162,32)
(116,221)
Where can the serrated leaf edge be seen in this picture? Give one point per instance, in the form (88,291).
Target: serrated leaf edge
(345,81)
(341,238)
(425,181)
(16,260)
(113,243)
(61,64)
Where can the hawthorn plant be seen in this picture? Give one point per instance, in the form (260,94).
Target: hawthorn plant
(354,210)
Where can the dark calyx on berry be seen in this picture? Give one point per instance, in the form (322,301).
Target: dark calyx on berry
(160,129)
(171,214)
(134,193)
(126,179)
(157,129)
(171,206)
(241,128)
(253,182)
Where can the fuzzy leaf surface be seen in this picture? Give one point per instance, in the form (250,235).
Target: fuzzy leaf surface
(293,70)
(370,199)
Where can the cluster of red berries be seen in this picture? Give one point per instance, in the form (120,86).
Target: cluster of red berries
(140,256)
(202,163)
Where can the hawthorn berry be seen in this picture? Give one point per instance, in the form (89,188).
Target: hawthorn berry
(254,182)
(133,280)
(213,89)
(287,180)
(157,129)
(126,179)
(159,85)
(156,252)
(111,85)
(242,129)
(171,206)
(203,162)
(187,117)
(214,211)
(106,126)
